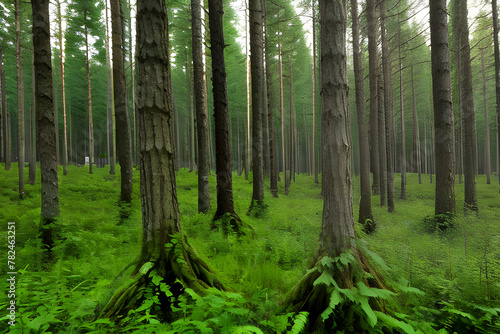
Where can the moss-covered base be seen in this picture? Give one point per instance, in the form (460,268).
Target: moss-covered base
(231,222)
(178,267)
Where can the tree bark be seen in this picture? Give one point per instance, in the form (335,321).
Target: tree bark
(416,150)
(486,125)
(46,130)
(497,79)
(109,109)
(402,107)
(461,35)
(382,140)
(20,103)
(31,140)
(201,109)
(365,205)
(443,111)
(5,115)
(373,75)
(89,98)
(257,80)
(122,119)
(315,170)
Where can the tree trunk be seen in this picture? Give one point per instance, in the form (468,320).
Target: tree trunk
(225,202)
(443,111)
(365,205)
(497,79)
(402,107)
(486,125)
(5,115)
(31,140)
(373,75)
(201,109)
(416,150)
(122,119)
(46,131)
(190,116)
(109,109)
(266,136)
(89,95)
(461,35)
(249,97)
(258,82)
(389,110)
(135,159)
(382,140)
(315,171)
(20,103)
(282,112)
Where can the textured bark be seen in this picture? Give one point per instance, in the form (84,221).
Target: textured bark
(315,170)
(416,151)
(5,115)
(225,202)
(31,137)
(266,135)
(122,119)
(382,140)
(202,127)
(20,103)
(486,125)
(132,84)
(389,110)
(89,101)
(497,78)
(282,113)
(46,133)
(443,111)
(461,36)
(109,107)
(190,114)
(373,75)
(257,76)
(365,205)
(403,130)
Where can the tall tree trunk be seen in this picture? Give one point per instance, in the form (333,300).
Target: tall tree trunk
(486,125)
(497,79)
(123,143)
(132,84)
(5,115)
(89,96)
(109,109)
(416,150)
(266,136)
(290,135)
(258,82)
(225,202)
(249,97)
(315,170)
(402,107)
(373,75)
(382,140)
(461,35)
(389,110)
(201,109)
(365,204)
(61,61)
(282,112)
(443,111)
(20,102)
(46,131)
(31,140)
(238,151)
(190,115)
(270,119)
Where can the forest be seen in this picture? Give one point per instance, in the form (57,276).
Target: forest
(250,166)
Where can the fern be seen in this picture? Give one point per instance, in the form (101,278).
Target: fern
(299,323)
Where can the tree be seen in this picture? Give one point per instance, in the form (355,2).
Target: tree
(225,202)
(337,234)
(443,111)
(258,82)
(461,36)
(123,142)
(202,127)
(365,205)
(160,210)
(373,75)
(109,104)
(5,114)
(20,102)
(497,79)
(46,132)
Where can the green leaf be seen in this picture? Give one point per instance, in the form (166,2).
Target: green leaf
(371,317)
(325,278)
(145,268)
(246,329)
(326,313)
(394,323)
(335,299)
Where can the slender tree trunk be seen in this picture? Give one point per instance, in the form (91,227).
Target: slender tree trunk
(225,202)
(266,136)
(5,115)
(122,119)
(497,79)
(290,134)
(389,110)
(373,75)
(382,141)
(20,103)
(249,97)
(282,112)
(461,35)
(416,151)
(315,170)
(89,92)
(190,115)
(402,107)
(238,151)
(132,84)
(486,125)
(202,125)
(365,205)
(443,111)
(31,140)
(258,82)
(46,131)
(109,109)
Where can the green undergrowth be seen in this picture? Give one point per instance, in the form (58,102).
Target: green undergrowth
(443,280)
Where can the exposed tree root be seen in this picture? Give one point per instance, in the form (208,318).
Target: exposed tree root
(315,299)
(180,267)
(231,222)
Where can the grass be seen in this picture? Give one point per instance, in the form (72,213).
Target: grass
(95,245)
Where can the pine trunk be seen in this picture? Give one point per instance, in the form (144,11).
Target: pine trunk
(109,107)
(89,96)
(20,103)
(497,78)
(486,125)
(5,114)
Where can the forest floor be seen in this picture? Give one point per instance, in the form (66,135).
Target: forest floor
(458,270)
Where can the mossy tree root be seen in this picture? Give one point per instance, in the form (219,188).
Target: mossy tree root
(231,222)
(179,266)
